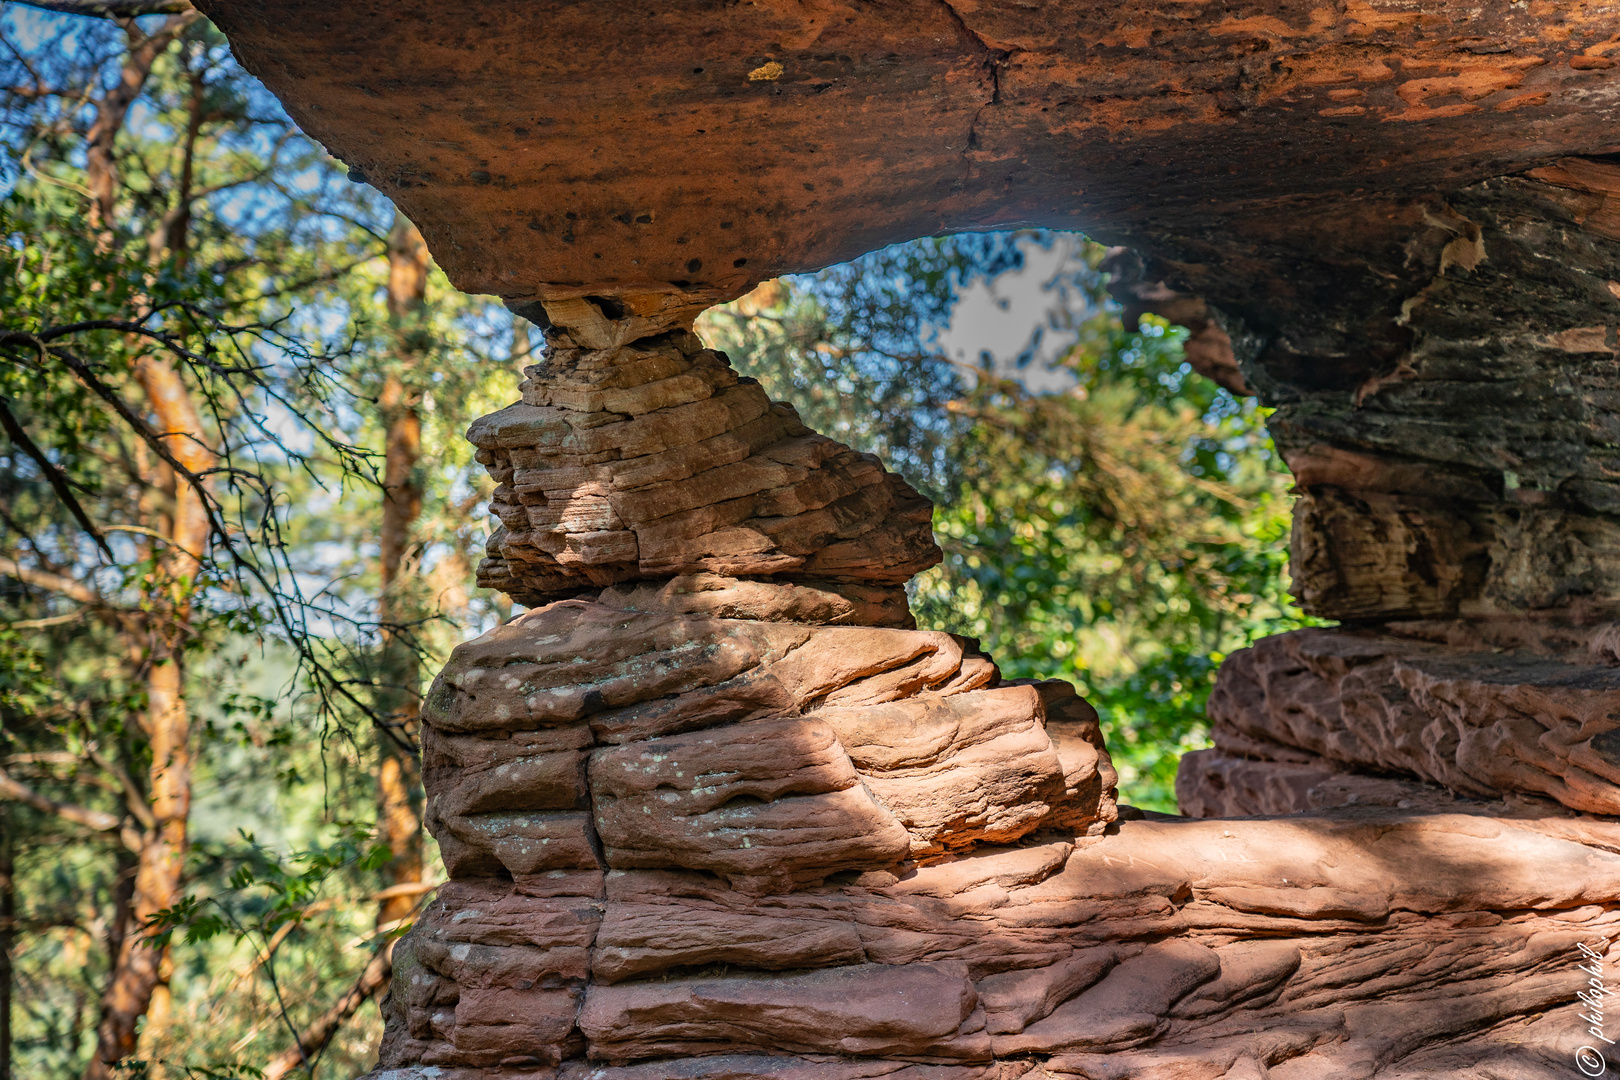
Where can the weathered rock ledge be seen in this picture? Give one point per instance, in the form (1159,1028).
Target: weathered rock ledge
(1531,715)
(1362,943)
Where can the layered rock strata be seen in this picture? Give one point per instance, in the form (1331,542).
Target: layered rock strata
(1372,943)
(1415,714)
(637,459)
(1394,222)
(728,817)
(1471,471)
(769,754)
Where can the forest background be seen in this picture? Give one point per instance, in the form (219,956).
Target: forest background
(238,525)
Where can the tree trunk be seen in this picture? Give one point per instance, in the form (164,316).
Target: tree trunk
(398,770)
(138,969)
(101,162)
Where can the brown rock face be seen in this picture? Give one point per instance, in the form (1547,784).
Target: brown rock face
(1420,717)
(1395,223)
(549,148)
(709,827)
(636,461)
(746,750)
(1371,943)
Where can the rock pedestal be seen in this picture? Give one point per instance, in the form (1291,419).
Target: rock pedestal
(1459,515)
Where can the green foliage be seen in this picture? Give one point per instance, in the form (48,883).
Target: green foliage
(241,253)
(264,890)
(855,348)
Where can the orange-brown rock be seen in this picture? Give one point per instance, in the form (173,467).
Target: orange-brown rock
(1216,784)
(647,459)
(819,602)
(741,748)
(724,814)
(716,147)
(1482,724)
(1362,942)
(695,818)
(879,1010)
(1393,224)
(756,877)
(959,770)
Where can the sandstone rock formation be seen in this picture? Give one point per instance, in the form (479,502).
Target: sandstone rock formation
(548,147)
(642,460)
(1493,717)
(705,827)
(1478,723)
(1362,944)
(1395,223)
(769,754)
(715,810)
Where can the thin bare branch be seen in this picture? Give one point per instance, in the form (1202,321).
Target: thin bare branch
(56,583)
(216,527)
(134,798)
(41,624)
(99,820)
(314,1038)
(54,476)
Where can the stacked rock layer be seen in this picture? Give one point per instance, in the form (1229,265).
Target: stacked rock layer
(715,811)
(645,459)
(1416,713)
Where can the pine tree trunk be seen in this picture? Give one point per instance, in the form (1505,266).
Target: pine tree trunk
(398,771)
(138,968)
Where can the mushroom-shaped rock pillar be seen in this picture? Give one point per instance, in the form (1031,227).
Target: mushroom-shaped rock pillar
(715,808)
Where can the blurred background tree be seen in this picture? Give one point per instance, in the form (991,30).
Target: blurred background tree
(238,524)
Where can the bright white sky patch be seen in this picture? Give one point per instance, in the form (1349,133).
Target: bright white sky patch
(994,321)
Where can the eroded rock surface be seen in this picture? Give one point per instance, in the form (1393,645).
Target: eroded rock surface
(717,811)
(1318,946)
(1472,471)
(735,828)
(581,735)
(641,460)
(1477,721)
(713,146)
